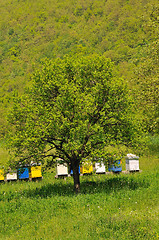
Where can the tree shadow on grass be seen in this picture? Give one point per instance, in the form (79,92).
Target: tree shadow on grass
(87,187)
(113,184)
(49,190)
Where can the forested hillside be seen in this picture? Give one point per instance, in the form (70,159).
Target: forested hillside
(124,30)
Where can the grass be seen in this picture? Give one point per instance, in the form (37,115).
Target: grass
(121,206)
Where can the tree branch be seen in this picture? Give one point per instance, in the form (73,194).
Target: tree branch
(59,148)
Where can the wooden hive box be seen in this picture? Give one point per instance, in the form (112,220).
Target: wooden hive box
(35,172)
(132,165)
(23,173)
(87,168)
(11,176)
(1,174)
(61,169)
(132,162)
(115,167)
(100,167)
(71,172)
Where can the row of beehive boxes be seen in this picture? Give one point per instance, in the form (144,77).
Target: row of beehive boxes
(22,173)
(132,164)
(87,168)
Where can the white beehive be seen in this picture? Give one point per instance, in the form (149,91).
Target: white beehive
(11,176)
(132,162)
(100,167)
(61,169)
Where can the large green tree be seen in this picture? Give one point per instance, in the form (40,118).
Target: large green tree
(75,107)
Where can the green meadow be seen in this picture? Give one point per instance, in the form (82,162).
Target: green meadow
(113,206)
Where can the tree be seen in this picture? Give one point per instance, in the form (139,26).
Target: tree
(75,106)
(147,88)
(146,77)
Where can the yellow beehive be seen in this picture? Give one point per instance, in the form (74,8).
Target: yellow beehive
(1,174)
(86,168)
(35,172)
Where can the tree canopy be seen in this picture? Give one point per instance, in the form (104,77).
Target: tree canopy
(75,107)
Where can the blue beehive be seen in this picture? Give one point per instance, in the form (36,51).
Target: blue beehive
(23,173)
(71,172)
(115,166)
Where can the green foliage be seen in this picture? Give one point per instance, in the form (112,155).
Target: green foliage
(147,83)
(75,106)
(4,155)
(153,143)
(125,31)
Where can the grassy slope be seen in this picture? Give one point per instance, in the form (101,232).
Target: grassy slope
(32,30)
(121,206)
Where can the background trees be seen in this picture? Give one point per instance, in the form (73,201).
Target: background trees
(74,109)
(124,31)
(121,30)
(147,74)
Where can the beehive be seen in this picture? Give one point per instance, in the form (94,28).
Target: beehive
(100,167)
(11,176)
(23,173)
(35,172)
(86,168)
(132,162)
(61,169)
(71,172)
(115,167)
(132,165)
(1,174)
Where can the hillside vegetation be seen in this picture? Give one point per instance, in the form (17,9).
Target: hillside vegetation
(125,31)
(121,206)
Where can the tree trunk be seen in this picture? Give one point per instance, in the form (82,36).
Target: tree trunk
(76,176)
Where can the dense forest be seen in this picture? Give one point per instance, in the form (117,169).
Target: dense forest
(126,31)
